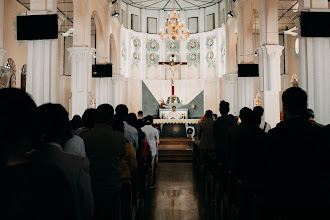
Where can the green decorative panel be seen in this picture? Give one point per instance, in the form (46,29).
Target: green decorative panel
(172,47)
(152,55)
(136,51)
(210,55)
(193,56)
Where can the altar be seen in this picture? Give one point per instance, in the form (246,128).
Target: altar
(163,113)
(174,127)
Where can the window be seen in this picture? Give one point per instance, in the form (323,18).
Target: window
(152,25)
(135,22)
(193,25)
(210,22)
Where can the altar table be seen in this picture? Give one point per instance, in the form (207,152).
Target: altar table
(174,127)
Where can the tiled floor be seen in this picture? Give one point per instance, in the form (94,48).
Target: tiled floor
(177,195)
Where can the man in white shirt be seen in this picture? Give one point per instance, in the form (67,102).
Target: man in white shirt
(152,137)
(174,114)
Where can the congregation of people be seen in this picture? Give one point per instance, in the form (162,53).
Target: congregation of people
(263,173)
(97,166)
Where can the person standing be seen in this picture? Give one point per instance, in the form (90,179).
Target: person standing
(264,126)
(152,137)
(205,134)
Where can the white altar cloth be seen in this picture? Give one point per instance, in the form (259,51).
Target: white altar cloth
(176,121)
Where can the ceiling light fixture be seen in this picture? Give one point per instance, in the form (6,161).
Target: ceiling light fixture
(173,28)
(230,14)
(116,14)
(115,1)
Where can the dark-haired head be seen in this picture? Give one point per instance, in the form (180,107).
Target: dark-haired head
(104,114)
(122,112)
(54,122)
(208,114)
(245,114)
(140,113)
(76,122)
(132,120)
(224,108)
(117,124)
(259,111)
(294,103)
(88,118)
(148,120)
(19,127)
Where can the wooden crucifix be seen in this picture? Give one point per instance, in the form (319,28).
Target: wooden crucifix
(172,63)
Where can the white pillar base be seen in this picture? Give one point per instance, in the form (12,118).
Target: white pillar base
(2,56)
(81,78)
(41,78)
(231,92)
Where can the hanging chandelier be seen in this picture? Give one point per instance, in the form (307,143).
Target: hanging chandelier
(174,29)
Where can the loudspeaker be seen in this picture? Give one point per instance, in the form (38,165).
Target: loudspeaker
(315,24)
(102,70)
(37,27)
(248,70)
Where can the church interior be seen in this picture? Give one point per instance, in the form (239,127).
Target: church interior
(175,60)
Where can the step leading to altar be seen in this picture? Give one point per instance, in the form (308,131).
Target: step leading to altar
(175,149)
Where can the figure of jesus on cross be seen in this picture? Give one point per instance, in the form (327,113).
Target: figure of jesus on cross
(172,63)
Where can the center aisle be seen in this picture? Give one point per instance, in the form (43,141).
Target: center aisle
(177,194)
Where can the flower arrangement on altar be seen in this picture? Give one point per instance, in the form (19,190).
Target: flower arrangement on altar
(162,103)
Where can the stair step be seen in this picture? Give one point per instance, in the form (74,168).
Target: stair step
(174,147)
(176,152)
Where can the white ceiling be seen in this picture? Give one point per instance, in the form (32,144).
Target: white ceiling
(170,4)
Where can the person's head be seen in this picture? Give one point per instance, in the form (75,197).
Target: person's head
(122,112)
(19,126)
(54,122)
(310,114)
(118,125)
(208,114)
(88,118)
(104,114)
(294,103)
(132,119)
(173,108)
(259,111)
(76,122)
(148,120)
(224,108)
(245,114)
(140,114)
(215,116)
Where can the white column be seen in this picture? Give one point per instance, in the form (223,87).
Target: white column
(2,18)
(117,90)
(81,78)
(270,82)
(314,60)
(202,55)
(144,20)
(143,52)
(42,60)
(231,92)
(2,56)
(162,57)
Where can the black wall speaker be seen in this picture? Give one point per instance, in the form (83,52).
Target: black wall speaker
(102,70)
(315,24)
(37,27)
(248,70)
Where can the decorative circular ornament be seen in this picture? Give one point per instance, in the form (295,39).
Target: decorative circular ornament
(193,56)
(193,44)
(211,42)
(152,45)
(152,57)
(211,55)
(135,55)
(296,46)
(173,46)
(135,43)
